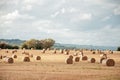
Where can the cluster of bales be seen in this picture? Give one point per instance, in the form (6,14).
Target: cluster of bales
(25,58)
(75,57)
(80,57)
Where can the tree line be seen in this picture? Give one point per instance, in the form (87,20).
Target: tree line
(32,43)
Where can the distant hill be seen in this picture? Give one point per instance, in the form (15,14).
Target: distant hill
(74,46)
(17,42)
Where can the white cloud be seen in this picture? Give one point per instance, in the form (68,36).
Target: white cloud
(106,18)
(63,10)
(85,16)
(55,14)
(71,10)
(28,4)
(117,11)
(82,17)
(67,21)
(10,17)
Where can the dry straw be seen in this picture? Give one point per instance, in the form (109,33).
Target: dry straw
(38,58)
(70,56)
(83,58)
(93,52)
(26,59)
(43,51)
(69,61)
(108,62)
(31,55)
(77,59)
(8,60)
(103,55)
(61,51)
(91,60)
(14,56)
(101,59)
(0,56)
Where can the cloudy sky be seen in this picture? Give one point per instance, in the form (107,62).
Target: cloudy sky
(85,22)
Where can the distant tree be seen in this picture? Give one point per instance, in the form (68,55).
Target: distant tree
(38,44)
(4,45)
(32,43)
(15,47)
(47,43)
(24,45)
(118,49)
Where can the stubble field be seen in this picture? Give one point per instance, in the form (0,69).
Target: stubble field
(53,67)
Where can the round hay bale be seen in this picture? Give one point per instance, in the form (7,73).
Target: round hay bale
(75,54)
(93,52)
(8,60)
(91,60)
(83,58)
(66,53)
(1,57)
(70,56)
(80,53)
(38,58)
(43,51)
(26,59)
(31,55)
(103,56)
(4,56)
(69,61)
(23,52)
(61,51)
(6,51)
(77,59)
(14,56)
(54,51)
(108,62)
(101,59)
(13,52)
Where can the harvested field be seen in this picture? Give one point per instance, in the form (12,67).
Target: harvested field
(53,67)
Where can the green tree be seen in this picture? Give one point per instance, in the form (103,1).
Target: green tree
(38,44)
(118,49)
(47,43)
(4,45)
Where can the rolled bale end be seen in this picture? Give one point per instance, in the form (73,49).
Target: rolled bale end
(91,60)
(1,57)
(38,58)
(54,51)
(14,56)
(26,59)
(43,51)
(101,59)
(69,61)
(93,52)
(31,55)
(66,53)
(4,56)
(6,51)
(77,59)
(8,60)
(108,62)
(103,56)
(61,51)
(84,58)
(70,56)
(75,54)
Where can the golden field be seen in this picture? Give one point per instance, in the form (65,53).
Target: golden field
(53,67)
